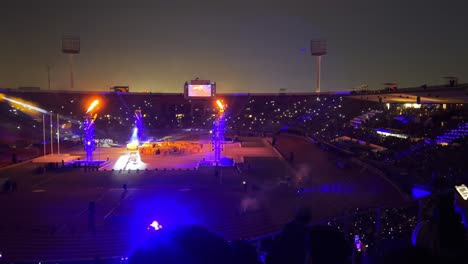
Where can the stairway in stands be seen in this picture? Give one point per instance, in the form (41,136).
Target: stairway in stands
(357,121)
(64,247)
(449,136)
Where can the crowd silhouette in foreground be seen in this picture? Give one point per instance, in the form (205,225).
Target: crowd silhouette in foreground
(439,237)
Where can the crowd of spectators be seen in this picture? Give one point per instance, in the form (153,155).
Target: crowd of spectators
(416,154)
(245,112)
(436,237)
(324,118)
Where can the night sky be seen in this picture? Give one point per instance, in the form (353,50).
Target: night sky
(245,46)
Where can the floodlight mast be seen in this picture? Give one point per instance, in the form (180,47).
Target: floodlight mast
(318,48)
(71,46)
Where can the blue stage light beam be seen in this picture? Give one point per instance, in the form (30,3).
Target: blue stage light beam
(139,125)
(134,137)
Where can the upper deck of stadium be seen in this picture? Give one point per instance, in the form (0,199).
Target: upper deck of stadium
(439,94)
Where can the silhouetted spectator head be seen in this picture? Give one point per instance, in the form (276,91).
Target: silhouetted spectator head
(291,245)
(452,232)
(426,236)
(409,255)
(244,252)
(444,234)
(446,204)
(328,246)
(303,215)
(185,244)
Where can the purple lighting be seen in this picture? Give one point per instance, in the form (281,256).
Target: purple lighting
(449,136)
(217,139)
(342,92)
(138,130)
(418,192)
(88,127)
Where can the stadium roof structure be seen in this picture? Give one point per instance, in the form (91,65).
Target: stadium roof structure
(427,94)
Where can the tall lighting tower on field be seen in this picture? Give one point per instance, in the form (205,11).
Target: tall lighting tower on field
(219,128)
(318,48)
(88,130)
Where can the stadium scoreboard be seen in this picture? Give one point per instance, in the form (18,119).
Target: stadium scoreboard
(199,89)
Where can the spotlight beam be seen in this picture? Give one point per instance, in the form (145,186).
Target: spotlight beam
(28,106)
(14,102)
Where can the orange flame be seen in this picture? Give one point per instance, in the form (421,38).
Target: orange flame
(220,105)
(92,106)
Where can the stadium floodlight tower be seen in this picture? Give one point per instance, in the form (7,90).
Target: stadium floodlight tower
(88,130)
(318,48)
(219,128)
(71,46)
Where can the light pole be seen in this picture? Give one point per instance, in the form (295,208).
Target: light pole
(48,77)
(318,48)
(71,46)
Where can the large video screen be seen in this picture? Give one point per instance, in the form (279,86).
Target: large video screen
(199,90)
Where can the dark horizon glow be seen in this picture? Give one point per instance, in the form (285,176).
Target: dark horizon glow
(255,46)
